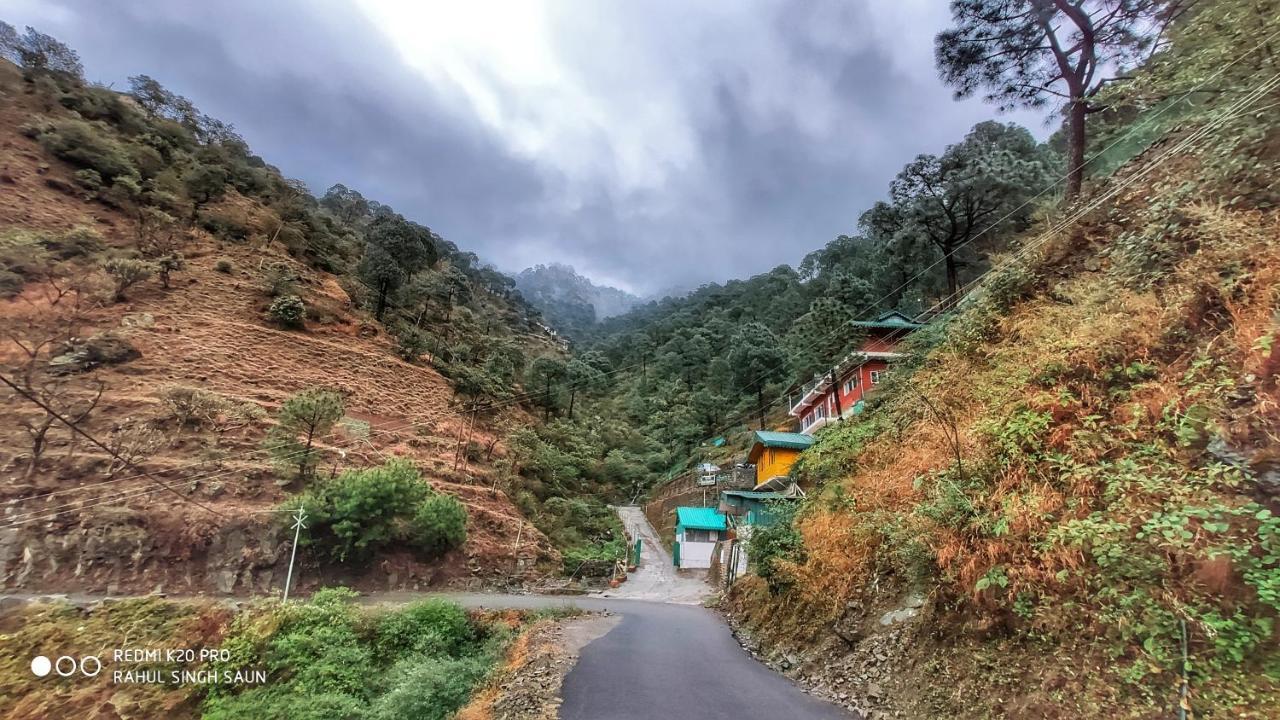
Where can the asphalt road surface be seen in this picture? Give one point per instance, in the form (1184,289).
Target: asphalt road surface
(667,661)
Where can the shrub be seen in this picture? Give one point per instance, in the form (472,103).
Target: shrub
(22,253)
(591,560)
(288,311)
(224,227)
(127,272)
(11,283)
(192,406)
(88,146)
(223,266)
(438,525)
(80,241)
(361,511)
(430,627)
(429,689)
(278,280)
(89,179)
(170,263)
(775,541)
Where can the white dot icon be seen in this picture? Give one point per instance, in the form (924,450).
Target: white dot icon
(40,665)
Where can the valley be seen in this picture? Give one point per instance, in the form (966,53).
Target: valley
(1008,445)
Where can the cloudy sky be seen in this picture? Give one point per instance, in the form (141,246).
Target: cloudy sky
(652,144)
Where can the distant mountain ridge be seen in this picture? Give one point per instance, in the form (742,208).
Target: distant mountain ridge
(571,302)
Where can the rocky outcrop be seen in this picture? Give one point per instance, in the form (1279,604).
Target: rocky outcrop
(122,551)
(856,663)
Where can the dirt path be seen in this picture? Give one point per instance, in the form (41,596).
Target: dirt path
(656,578)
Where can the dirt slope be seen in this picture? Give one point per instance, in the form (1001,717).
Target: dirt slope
(207,331)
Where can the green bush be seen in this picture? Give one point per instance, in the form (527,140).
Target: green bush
(327,659)
(592,560)
(87,146)
(127,272)
(287,311)
(224,227)
(438,525)
(774,541)
(429,689)
(430,627)
(223,266)
(23,254)
(11,283)
(89,179)
(278,280)
(80,241)
(360,511)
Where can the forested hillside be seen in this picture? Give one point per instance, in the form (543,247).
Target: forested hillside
(194,344)
(571,303)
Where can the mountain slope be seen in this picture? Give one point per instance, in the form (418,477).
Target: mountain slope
(1073,478)
(571,302)
(205,372)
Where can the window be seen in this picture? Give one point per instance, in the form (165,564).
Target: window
(875,377)
(851,384)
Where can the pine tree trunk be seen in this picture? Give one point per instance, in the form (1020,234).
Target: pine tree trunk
(1075,147)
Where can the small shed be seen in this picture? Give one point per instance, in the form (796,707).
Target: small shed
(773,453)
(697,532)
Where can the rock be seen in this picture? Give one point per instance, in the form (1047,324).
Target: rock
(896,616)
(79,356)
(138,320)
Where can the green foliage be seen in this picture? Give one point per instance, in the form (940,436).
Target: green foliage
(429,689)
(304,419)
(127,272)
(224,266)
(438,525)
(585,561)
(776,541)
(430,627)
(88,146)
(169,264)
(395,249)
(327,658)
(359,512)
(288,311)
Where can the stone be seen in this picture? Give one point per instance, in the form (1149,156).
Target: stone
(894,617)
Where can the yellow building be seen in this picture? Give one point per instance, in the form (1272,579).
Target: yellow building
(773,454)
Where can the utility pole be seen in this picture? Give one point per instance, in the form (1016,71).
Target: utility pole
(298,524)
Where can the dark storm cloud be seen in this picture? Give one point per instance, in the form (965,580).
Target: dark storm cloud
(707,141)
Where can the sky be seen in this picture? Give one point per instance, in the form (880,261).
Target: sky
(651,145)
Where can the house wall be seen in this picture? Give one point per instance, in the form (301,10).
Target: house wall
(862,377)
(774,462)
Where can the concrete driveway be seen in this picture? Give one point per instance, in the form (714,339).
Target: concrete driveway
(656,578)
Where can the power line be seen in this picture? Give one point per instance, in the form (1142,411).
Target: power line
(1228,114)
(81,431)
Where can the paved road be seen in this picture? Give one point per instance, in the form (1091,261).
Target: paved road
(657,578)
(667,661)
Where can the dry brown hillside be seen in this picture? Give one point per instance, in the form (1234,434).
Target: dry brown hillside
(80,522)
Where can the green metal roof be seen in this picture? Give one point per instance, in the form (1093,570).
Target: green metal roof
(794,441)
(700,518)
(892,320)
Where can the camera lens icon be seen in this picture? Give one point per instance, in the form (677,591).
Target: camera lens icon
(41,666)
(66,666)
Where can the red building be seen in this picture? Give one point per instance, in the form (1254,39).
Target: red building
(822,401)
